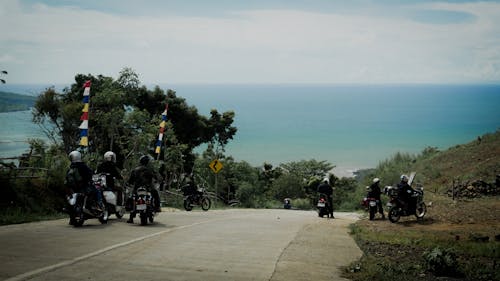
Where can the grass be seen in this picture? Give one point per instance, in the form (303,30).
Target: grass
(17,215)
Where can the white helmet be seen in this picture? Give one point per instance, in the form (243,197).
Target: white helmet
(326,180)
(404,178)
(375,180)
(75,156)
(110,156)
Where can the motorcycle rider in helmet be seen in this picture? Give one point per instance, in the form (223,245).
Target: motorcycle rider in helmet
(325,188)
(375,193)
(79,179)
(405,193)
(143,175)
(111,170)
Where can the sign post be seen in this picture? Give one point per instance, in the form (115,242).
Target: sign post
(216,166)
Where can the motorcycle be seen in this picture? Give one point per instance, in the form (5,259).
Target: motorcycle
(398,208)
(83,207)
(197,198)
(110,196)
(322,205)
(370,205)
(287,203)
(143,204)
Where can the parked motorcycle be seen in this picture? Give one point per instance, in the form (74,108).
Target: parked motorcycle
(370,205)
(110,196)
(196,198)
(398,208)
(143,205)
(83,207)
(322,205)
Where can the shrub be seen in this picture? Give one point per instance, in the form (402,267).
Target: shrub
(441,262)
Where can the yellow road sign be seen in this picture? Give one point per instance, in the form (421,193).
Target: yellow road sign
(215,165)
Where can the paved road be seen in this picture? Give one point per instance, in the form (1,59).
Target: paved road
(236,244)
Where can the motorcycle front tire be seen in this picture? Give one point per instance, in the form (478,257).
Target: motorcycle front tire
(103,219)
(420,211)
(394,214)
(205,203)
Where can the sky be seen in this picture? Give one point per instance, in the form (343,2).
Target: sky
(260,41)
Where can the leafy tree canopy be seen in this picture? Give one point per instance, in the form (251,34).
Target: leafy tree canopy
(124,117)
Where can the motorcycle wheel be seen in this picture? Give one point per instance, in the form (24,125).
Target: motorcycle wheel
(187,205)
(420,211)
(79,216)
(205,203)
(394,215)
(321,212)
(103,219)
(144,219)
(372,213)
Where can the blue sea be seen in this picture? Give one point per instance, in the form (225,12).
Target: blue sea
(350,126)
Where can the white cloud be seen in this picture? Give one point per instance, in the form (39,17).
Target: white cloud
(52,44)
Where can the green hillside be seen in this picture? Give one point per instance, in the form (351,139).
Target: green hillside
(476,160)
(459,238)
(15,102)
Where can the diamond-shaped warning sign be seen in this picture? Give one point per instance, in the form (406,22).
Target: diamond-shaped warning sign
(215,165)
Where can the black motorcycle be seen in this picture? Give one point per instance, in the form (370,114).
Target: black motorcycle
(83,207)
(398,208)
(323,205)
(195,196)
(287,203)
(143,205)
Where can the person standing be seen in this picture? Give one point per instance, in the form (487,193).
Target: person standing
(405,193)
(375,193)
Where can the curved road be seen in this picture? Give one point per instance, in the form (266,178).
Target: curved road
(235,244)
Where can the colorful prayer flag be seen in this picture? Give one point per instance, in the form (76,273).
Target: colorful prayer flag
(162,130)
(84,126)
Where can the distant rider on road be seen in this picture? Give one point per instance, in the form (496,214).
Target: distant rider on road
(325,188)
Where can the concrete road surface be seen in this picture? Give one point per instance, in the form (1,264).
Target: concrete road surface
(235,244)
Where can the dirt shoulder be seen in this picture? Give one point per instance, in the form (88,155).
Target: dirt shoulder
(319,250)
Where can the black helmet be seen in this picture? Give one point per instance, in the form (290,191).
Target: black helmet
(144,160)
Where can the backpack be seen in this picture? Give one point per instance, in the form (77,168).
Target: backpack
(73,178)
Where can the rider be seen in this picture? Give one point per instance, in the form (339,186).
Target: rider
(143,175)
(375,193)
(325,188)
(79,179)
(190,188)
(111,170)
(406,192)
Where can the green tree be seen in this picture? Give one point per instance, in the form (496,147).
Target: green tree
(124,117)
(297,179)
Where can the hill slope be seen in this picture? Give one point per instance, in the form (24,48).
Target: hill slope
(476,160)
(463,234)
(15,102)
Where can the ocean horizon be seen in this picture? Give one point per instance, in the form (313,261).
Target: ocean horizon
(351,126)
